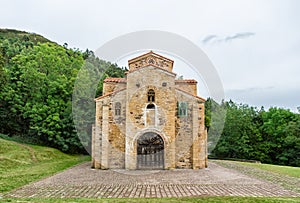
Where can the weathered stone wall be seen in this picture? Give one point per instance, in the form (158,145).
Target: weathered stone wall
(117,131)
(191,136)
(162,82)
(201,149)
(97,136)
(184,133)
(109,87)
(189,87)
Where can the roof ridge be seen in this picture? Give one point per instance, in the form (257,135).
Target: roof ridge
(108,94)
(115,80)
(187,81)
(150,53)
(201,98)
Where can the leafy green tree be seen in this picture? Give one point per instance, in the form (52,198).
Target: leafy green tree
(214,122)
(291,144)
(239,133)
(276,123)
(2,73)
(92,73)
(10,122)
(271,136)
(41,84)
(37,80)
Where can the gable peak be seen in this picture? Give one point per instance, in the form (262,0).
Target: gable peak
(150,59)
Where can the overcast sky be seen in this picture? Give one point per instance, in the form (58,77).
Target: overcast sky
(254,45)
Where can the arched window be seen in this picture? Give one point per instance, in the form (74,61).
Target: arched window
(150,106)
(151,95)
(117,108)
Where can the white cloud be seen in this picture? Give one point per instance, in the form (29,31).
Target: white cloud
(212,39)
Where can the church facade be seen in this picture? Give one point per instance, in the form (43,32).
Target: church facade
(149,119)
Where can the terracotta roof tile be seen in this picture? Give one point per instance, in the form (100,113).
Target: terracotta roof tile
(116,80)
(109,94)
(186,81)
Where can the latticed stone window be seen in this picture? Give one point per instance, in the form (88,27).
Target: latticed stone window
(117,108)
(182,109)
(151,95)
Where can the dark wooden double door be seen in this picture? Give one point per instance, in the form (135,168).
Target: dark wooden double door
(150,151)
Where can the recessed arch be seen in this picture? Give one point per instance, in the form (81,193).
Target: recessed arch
(150,106)
(150,151)
(151,129)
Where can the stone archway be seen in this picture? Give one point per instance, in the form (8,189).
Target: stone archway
(150,151)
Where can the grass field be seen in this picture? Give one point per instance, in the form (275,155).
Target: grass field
(285,176)
(21,163)
(285,170)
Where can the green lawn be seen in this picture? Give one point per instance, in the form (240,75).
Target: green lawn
(163,200)
(21,163)
(285,170)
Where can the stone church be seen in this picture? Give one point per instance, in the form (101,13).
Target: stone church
(149,119)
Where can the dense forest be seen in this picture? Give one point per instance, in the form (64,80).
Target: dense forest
(36,80)
(269,136)
(37,77)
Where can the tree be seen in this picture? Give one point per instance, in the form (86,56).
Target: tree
(89,84)
(278,130)
(291,144)
(2,73)
(239,133)
(40,89)
(214,122)
(37,79)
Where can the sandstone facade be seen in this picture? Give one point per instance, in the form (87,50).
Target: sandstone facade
(149,120)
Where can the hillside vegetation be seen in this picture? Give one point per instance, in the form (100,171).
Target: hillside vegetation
(22,163)
(37,78)
(22,35)
(271,136)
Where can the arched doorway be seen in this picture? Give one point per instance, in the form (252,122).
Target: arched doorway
(150,151)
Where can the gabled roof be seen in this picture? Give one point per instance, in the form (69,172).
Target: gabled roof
(116,80)
(186,81)
(109,94)
(151,59)
(196,96)
(149,53)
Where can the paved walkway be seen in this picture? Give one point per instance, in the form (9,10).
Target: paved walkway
(216,180)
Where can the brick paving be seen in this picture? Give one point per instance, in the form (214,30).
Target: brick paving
(216,180)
